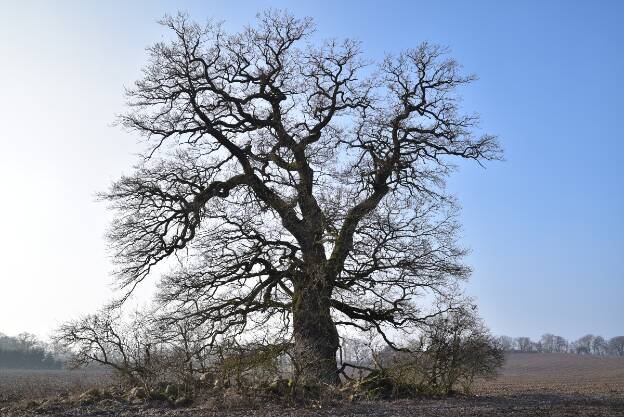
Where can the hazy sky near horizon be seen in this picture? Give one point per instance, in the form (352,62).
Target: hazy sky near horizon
(546,227)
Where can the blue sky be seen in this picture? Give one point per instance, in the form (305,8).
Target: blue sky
(545,226)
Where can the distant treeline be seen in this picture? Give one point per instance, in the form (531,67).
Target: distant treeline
(550,343)
(25,351)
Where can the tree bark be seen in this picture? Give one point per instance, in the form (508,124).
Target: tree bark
(315,334)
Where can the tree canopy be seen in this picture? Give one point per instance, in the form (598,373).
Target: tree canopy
(298,185)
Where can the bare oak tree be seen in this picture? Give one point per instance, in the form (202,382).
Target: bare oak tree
(296,183)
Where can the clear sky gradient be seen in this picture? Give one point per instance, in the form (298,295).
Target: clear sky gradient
(545,227)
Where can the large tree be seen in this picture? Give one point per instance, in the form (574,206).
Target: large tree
(297,184)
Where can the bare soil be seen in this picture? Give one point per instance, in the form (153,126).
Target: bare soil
(529,385)
(26,385)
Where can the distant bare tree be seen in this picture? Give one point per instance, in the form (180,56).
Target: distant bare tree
(26,351)
(548,342)
(616,346)
(599,346)
(524,344)
(553,344)
(506,343)
(294,189)
(560,344)
(583,346)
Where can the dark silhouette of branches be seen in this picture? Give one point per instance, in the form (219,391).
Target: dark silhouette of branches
(297,192)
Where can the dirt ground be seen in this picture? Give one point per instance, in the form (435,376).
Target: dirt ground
(529,385)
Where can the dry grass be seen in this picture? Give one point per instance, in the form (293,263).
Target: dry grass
(543,385)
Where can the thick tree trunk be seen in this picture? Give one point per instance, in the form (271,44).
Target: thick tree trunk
(316,337)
